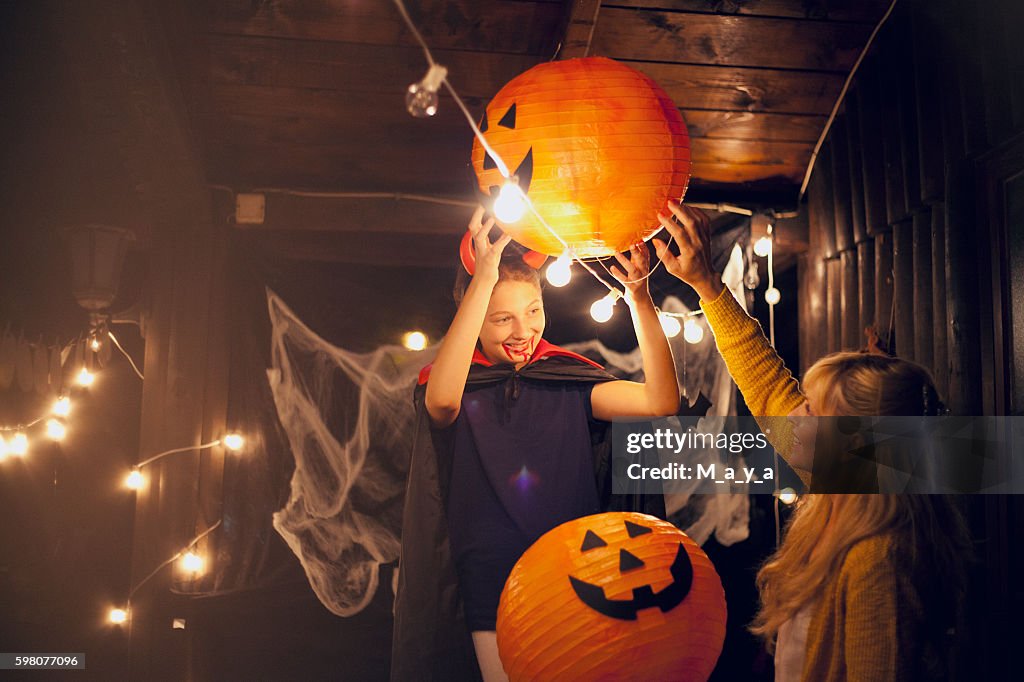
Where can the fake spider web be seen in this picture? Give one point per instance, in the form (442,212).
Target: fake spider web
(349,422)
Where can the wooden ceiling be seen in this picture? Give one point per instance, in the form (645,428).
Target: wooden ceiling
(309,93)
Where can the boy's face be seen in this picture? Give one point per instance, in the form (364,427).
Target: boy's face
(514,323)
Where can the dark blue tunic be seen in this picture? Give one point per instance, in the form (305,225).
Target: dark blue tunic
(522,465)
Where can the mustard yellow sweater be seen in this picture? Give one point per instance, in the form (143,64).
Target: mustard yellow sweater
(868,621)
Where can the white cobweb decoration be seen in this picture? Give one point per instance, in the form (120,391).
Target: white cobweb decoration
(349,421)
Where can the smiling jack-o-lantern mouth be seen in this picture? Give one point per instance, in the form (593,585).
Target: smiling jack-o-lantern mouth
(523,174)
(644,597)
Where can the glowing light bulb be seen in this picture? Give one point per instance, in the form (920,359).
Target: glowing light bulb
(134,480)
(117,616)
(762,246)
(191,562)
(55,429)
(772,296)
(415,340)
(509,207)
(787,496)
(670,324)
(421,98)
(233,441)
(18,445)
(560,272)
(601,310)
(62,406)
(94,344)
(693,332)
(85,377)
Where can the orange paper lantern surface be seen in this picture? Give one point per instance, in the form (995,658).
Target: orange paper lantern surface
(597,146)
(614,596)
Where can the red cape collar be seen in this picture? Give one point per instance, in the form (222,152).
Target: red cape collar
(544,350)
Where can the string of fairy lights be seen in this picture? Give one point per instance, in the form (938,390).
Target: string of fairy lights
(17,442)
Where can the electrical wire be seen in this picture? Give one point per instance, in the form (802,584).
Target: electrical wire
(839,101)
(125,353)
(172,559)
(175,451)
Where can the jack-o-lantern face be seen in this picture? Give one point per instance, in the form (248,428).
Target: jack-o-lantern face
(598,148)
(523,173)
(618,595)
(644,597)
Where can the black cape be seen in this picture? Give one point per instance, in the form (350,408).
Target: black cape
(430,641)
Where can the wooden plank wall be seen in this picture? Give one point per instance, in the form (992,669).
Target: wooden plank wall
(892,198)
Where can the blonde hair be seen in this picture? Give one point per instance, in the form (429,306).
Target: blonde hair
(929,533)
(867,384)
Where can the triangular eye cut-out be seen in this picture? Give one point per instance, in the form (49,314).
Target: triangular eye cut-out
(509,119)
(483,123)
(592,541)
(635,530)
(489,162)
(628,561)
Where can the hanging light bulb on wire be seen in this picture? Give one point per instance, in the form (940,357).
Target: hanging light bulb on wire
(670,325)
(602,309)
(772,296)
(560,272)
(62,406)
(134,480)
(18,445)
(692,331)
(55,429)
(421,98)
(192,562)
(762,246)
(510,206)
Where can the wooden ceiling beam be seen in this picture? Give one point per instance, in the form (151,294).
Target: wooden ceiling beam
(705,86)
(486,25)
(746,125)
(862,11)
(237,60)
(580,22)
(287,211)
(749,41)
(381,248)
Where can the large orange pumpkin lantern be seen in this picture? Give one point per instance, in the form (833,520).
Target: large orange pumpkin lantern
(613,596)
(597,146)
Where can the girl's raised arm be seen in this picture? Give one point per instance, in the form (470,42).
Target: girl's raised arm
(658,396)
(451,367)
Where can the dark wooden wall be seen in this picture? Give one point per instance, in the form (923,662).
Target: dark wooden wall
(901,235)
(915,210)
